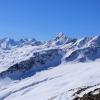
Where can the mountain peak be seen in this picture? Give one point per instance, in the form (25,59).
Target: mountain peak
(24,40)
(60,36)
(60,39)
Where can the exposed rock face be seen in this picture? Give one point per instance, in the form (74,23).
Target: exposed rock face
(44,55)
(39,61)
(82,55)
(24,58)
(92,95)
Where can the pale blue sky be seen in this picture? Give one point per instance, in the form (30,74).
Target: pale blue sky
(43,19)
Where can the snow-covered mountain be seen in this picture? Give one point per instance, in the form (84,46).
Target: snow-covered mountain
(62,68)
(7,43)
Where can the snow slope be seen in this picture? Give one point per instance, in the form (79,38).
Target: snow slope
(52,84)
(57,69)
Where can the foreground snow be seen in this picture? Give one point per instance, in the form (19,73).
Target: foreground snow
(52,84)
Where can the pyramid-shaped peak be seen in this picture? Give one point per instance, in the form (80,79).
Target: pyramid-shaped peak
(60,35)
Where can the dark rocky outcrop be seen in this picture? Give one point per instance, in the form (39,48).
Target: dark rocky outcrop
(82,55)
(40,61)
(94,94)
(89,96)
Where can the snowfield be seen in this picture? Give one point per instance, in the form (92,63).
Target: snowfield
(52,84)
(62,68)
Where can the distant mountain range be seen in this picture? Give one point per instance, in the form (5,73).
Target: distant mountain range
(39,53)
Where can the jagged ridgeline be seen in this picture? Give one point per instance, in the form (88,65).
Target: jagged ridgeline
(62,68)
(23,58)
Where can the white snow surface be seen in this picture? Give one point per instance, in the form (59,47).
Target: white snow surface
(15,55)
(52,84)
